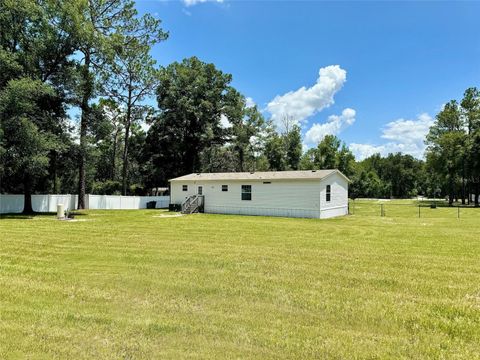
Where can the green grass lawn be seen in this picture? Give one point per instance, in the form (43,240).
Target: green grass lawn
(130,285)
(410,209)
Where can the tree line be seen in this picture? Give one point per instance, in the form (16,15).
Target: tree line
(453,154)
(77,81)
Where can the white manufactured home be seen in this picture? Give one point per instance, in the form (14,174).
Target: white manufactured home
(306,194)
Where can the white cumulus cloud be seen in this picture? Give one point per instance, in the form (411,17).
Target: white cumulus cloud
(195,2)
(363,151)
(334,125)
(410,131)
(306,102)
(403,135)
(249,102)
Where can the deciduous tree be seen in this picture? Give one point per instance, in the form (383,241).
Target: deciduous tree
(192,97)
(446,139)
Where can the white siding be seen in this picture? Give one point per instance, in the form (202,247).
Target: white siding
(177,196)
(291,198)
(338,204)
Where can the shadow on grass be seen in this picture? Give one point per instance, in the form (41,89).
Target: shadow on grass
(14,216)
(445,204)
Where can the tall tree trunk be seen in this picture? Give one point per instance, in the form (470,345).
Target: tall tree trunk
(190,156)
(463,183)
(114,155)
(451,191)
(125,161)
(241,158)
(86,95)
(477,193)
(469,192)
(56,189)
(125,148)
(27,189)
(190,159)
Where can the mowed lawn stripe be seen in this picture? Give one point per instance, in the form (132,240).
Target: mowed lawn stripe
(128,284)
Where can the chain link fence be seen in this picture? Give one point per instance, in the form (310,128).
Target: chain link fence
(421,209)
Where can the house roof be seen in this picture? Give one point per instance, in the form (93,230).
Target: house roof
(261,175)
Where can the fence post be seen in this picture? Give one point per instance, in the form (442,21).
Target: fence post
(419,211)
(458,212)
(381,210)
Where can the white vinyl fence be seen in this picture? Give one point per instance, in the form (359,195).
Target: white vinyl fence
(125,202)
(48,203)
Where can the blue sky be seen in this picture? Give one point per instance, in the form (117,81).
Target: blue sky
(387,66)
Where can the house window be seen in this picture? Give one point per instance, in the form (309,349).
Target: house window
(185,187)
(224,187)
(267,182)
(329,192)
(246,192)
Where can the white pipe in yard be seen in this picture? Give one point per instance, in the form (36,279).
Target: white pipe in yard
(60,211)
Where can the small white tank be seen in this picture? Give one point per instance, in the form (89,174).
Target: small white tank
(60,211)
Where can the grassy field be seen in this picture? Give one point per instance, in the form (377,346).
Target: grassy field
(132,285)
(412,209)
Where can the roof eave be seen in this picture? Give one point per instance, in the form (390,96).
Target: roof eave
(184,178)
(339,173)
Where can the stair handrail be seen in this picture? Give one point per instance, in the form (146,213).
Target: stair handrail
(187,204)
